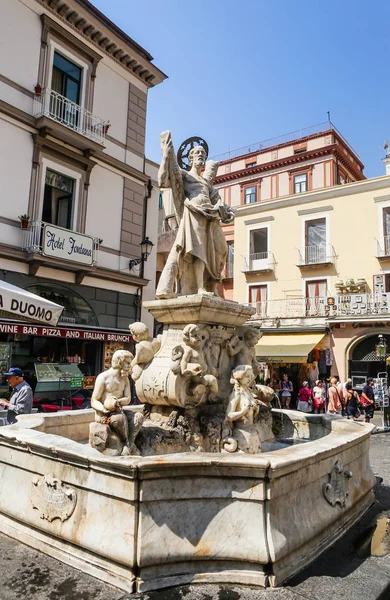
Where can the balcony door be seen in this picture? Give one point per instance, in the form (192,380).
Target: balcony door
(316,292)
(258,258)
(66,85)
(58,199)
(315,241)
(386,231)
(258,295)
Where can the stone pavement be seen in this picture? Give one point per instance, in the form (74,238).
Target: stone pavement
(345,572)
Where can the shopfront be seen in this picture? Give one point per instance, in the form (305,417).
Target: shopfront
(302,356)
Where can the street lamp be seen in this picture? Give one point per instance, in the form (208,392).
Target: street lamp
(146,248)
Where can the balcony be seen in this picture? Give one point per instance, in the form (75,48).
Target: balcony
(290,308)
(48,244)
(342,307)
(260,262)
(383,248)
(311,256)
(69,121)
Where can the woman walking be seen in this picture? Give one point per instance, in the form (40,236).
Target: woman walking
(319,398)
(304,398)
(351,399)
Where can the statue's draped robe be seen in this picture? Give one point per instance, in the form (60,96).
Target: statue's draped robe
(199,214)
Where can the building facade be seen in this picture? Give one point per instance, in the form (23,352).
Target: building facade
(325,297)
(73,98)
(302,161)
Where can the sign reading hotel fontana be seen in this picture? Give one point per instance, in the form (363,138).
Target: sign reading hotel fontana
(68,245)
(63,332)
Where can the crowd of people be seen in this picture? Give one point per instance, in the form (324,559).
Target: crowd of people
(333,397)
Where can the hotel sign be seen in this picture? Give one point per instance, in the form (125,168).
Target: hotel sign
(67,245)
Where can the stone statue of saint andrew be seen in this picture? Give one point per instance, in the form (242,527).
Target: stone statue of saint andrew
(199,253)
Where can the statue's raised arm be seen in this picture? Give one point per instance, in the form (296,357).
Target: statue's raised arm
(169,174)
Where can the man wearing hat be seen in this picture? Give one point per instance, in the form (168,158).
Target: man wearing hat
(21,400)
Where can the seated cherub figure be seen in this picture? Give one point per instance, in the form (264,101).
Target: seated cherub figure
(145,349)
(193,362)
(243,348)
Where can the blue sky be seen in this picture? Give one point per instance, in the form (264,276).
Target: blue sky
(241,72)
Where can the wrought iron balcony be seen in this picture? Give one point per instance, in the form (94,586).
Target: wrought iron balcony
(289,308)
(321,254)
(72,116)
(258,262)
(339,307)
(383,247)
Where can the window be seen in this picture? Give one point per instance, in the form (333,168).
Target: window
(160,200)
(315,241)
(259,241)
(250,195)
(300,148)
(58,199)
(316,292)
(66,83)
(300,183)
(258,295)
(66,78)
(250,164)
(386,231)
(230,260)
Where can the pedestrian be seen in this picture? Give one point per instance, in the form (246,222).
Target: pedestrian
(351,399)
(319,399)
(21,399)
(287,388)
(367,400)
(305,398)
(349,380)
(335,406)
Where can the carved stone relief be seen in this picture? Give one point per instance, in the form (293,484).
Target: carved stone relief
(336,490)
(52,498)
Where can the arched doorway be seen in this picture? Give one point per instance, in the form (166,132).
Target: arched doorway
(363,360)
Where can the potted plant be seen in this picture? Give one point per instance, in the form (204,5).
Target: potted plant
(24,221)
(106,127)
(38,89)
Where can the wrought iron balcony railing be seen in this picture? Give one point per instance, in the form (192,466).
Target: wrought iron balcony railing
(289,308)
(258,262)
(321,254)
(383,247)
(62,110)
(228,271)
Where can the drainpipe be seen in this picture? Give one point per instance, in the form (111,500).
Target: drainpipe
(149,188)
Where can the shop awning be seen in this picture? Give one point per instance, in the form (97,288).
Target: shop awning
(17,303)
(289,347)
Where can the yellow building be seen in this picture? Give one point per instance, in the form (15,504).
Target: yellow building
(321,289)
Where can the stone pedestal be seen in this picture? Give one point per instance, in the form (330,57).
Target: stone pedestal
(163,382)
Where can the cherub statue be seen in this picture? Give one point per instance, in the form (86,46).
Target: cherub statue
(110,394)
(239,431)
(193,362)
(242,347)
(145,349)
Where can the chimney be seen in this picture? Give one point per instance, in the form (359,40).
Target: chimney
(386,160)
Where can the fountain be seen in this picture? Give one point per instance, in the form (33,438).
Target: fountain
(203,482)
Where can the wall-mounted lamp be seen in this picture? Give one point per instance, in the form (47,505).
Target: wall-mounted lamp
(146,248)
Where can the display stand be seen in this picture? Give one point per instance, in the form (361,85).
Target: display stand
(58,382)
(381,396)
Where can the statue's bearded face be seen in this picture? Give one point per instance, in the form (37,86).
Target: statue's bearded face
(197,156)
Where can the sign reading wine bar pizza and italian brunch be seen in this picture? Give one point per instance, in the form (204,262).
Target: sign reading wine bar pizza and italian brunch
(68,245)
(63,332)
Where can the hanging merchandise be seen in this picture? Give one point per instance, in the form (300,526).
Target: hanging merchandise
(322,364)
(381,395)
(329,357)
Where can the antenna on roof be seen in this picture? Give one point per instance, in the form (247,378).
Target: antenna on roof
(328,113)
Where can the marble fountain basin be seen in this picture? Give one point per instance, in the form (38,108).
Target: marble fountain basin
(144,523)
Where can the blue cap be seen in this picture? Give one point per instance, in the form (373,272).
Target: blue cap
(14,371)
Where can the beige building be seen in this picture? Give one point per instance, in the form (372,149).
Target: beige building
(73,99)
(324,296)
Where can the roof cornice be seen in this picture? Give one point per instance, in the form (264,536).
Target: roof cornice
(95,27)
